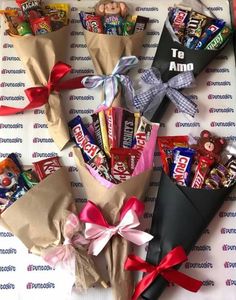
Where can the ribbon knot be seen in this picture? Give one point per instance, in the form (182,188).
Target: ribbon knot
(156,89)
(38,96)
(100,232)
(65,253)
(111,82)
(165,268)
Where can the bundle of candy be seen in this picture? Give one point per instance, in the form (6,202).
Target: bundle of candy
(29,197)
(35,19)
(188,43)
(110,35)
(36,33)
(111,18)
(120,169)
(194,183)
(198,31)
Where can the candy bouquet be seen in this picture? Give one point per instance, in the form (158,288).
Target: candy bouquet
(37,32)
(194,183)
(115,160)
(189,41)
(38,207)
(111,33)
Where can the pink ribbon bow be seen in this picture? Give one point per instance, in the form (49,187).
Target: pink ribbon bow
(100,232)
(65,253)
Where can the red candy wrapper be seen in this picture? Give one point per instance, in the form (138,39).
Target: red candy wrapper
(41,25)
(94,23)
(201,172)
(142,134)
(45,167)
(166,145)
(123,162)
(112,127)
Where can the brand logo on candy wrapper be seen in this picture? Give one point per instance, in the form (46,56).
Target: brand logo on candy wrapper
(14,140)
(34,285)
(228,230)
(42,140)
(12,98)
(9,268)
(223,124)
(81,98)
(12,85)
(39,126)
(10,58)
(217,70)
(31,268)
(8,251)
(187,124)
(7,286)
(221,110)
(6,45)
(204,265)
(44,154)
(11,126)
(230,282)
(11,71)
(226,247)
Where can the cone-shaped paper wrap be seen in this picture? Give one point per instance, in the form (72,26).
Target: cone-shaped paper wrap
(170,63)
(106,50)
(38,218)
(39,54)
(180,216)
(110,201)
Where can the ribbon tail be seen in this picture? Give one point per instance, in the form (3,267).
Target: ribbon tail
(181,279)
(8,110)
(98,244)
(143,284)
(71,84)
(135,236)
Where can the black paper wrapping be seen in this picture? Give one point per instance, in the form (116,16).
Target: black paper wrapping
(164,56)
(179,218)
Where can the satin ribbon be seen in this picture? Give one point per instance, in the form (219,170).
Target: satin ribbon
(111,82)
(100,232)
(175,257)
(38,96)
(157,89)
(65,253)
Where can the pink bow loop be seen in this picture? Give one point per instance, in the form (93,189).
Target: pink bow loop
(65,253)
(100,232)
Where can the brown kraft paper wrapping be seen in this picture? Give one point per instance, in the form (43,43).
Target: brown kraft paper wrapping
(106,50)
(111,201)
(39,54)
(37,219)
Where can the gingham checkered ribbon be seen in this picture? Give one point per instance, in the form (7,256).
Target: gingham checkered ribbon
(111,82)
(158,88)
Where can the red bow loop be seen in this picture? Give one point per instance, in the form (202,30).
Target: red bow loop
(173,258)
(38,96)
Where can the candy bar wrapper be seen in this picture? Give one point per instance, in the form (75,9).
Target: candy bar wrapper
(179,218)
(37,219)
(172,58)
(106,50)
(39,54)
(110,200)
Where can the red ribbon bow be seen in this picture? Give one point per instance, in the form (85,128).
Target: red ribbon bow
(174,257)
(38,96)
